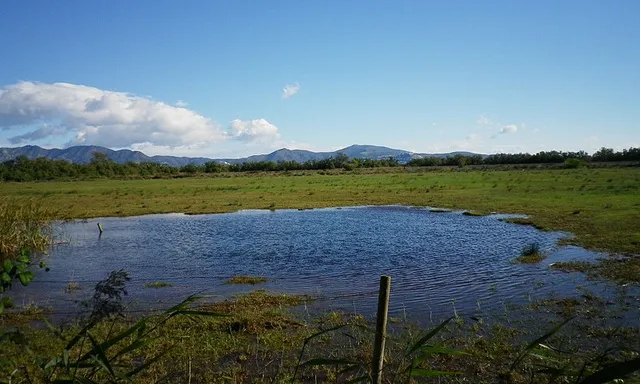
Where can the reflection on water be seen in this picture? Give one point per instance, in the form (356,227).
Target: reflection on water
(437,261)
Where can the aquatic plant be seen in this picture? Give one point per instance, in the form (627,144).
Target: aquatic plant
(24,224)
(530,254)
(251,280)
(158,284)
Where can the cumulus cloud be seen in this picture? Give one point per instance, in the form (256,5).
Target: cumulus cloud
(86,115)
(289,90)
(498,128)
(95,116)
(253,130)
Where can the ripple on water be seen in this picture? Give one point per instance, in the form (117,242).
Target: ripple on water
(436,260)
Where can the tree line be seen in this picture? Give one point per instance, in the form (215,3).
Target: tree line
(25,169)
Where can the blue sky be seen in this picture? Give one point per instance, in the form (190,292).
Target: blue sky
(208,77)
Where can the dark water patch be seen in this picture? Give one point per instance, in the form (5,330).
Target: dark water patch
(439,262)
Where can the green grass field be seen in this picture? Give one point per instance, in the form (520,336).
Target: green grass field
(600,206)
(262,341)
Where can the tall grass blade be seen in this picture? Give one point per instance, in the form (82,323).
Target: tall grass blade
(145,365)
(306,342)
(75,380)
(201,313)
(431,373)
(328,362)
(100,356)
(613,371)
(53,329)
(122,335)
(538,341)
(358,379)
(427,337)
(132,347)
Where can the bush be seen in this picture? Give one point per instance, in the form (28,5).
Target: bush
(574,163)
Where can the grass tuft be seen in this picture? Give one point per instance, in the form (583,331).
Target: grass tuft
(530,254)
(529,222)
(158,284)
(24,225)
(72,286)
(249,280)
(474,213)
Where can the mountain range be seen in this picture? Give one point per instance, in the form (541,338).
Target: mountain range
(83,154)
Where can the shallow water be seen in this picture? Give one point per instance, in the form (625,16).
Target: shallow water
(439,262)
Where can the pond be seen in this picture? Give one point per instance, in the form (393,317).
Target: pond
(439,262)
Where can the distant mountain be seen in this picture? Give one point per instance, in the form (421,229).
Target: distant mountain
(84,154)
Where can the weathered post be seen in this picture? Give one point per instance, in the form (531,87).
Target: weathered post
(381,329)
(100,228)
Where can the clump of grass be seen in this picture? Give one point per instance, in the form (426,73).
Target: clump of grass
(257,300)
(522,221)
(72,286)
(474,213)
(619,269)
(24,225)
(25,314)
(573,266)
(257,312)
(250,280)
(6,302)
(158,284)
(530,254)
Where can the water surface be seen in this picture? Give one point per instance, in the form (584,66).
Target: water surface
(438,261)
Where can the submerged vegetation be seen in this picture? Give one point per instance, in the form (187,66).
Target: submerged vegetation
(24,225)
(257,337)
(158,284)
(250,280)
(25,233)
(530,254)
(474,213)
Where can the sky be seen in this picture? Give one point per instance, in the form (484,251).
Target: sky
(231,78)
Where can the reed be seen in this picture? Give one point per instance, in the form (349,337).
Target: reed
(24,224)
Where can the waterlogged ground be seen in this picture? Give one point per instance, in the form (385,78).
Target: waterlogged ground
(439,262)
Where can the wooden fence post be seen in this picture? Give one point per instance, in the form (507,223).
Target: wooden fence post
(381,329)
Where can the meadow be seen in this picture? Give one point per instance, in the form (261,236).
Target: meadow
(263,340)
(600,206)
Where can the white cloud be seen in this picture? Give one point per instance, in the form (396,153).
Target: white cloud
(100,117)
(511,128)
(499,129)
(472,142)
(484,121)
(289,90)
(253,130)
(80,114)
(45,130)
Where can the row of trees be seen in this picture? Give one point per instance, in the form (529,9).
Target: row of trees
(24,169)
(544,157)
